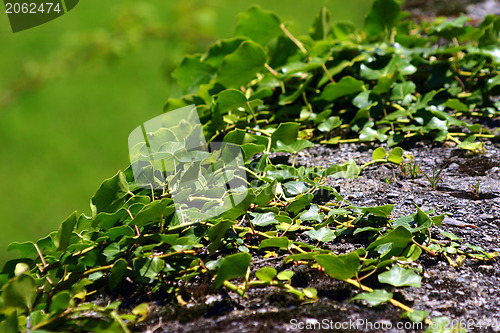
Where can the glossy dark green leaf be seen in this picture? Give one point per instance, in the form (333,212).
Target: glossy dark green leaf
(300,203)
(110,195)
(192,73)
(286,133)
(340,267)
(61,241)
(346,86)
(399,237)
(117,274)
(322,26)
(403,92)
(221,48)
(259,25)
(154,212)
(248,59)
(232,266)
(329,124)
(383,15)
(60,301)
(146,269)
(20,292)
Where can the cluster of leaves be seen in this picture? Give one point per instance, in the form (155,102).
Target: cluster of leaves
(392,81)
(268,92)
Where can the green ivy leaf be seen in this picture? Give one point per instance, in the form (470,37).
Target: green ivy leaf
(61,241)
(60,301)
(346,86)
(259,25)
(293,148)
(322,26)
(263,219)
(285,275)
(348,169)
(300,203)
(266,274)
(110,195)
(117,273)
(374,298)
(402,92)
(379,153)
(286,133)
(396,155)
(313,213)
(192,73)
(153,212)
(399,277)
(340,267)
(146,269)
(232,266)
(399,237)
(20,292)
(324,234)
(279,242)
(296,187)
(248,59)
(329,124)
(383,15)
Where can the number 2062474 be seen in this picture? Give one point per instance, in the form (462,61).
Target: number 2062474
(32,8)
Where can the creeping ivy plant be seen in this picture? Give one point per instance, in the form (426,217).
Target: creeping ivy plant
(268,91)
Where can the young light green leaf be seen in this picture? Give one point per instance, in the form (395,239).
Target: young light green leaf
(396,155)
(379,153)
(285,275)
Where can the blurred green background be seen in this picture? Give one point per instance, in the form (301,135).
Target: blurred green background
(73,89)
